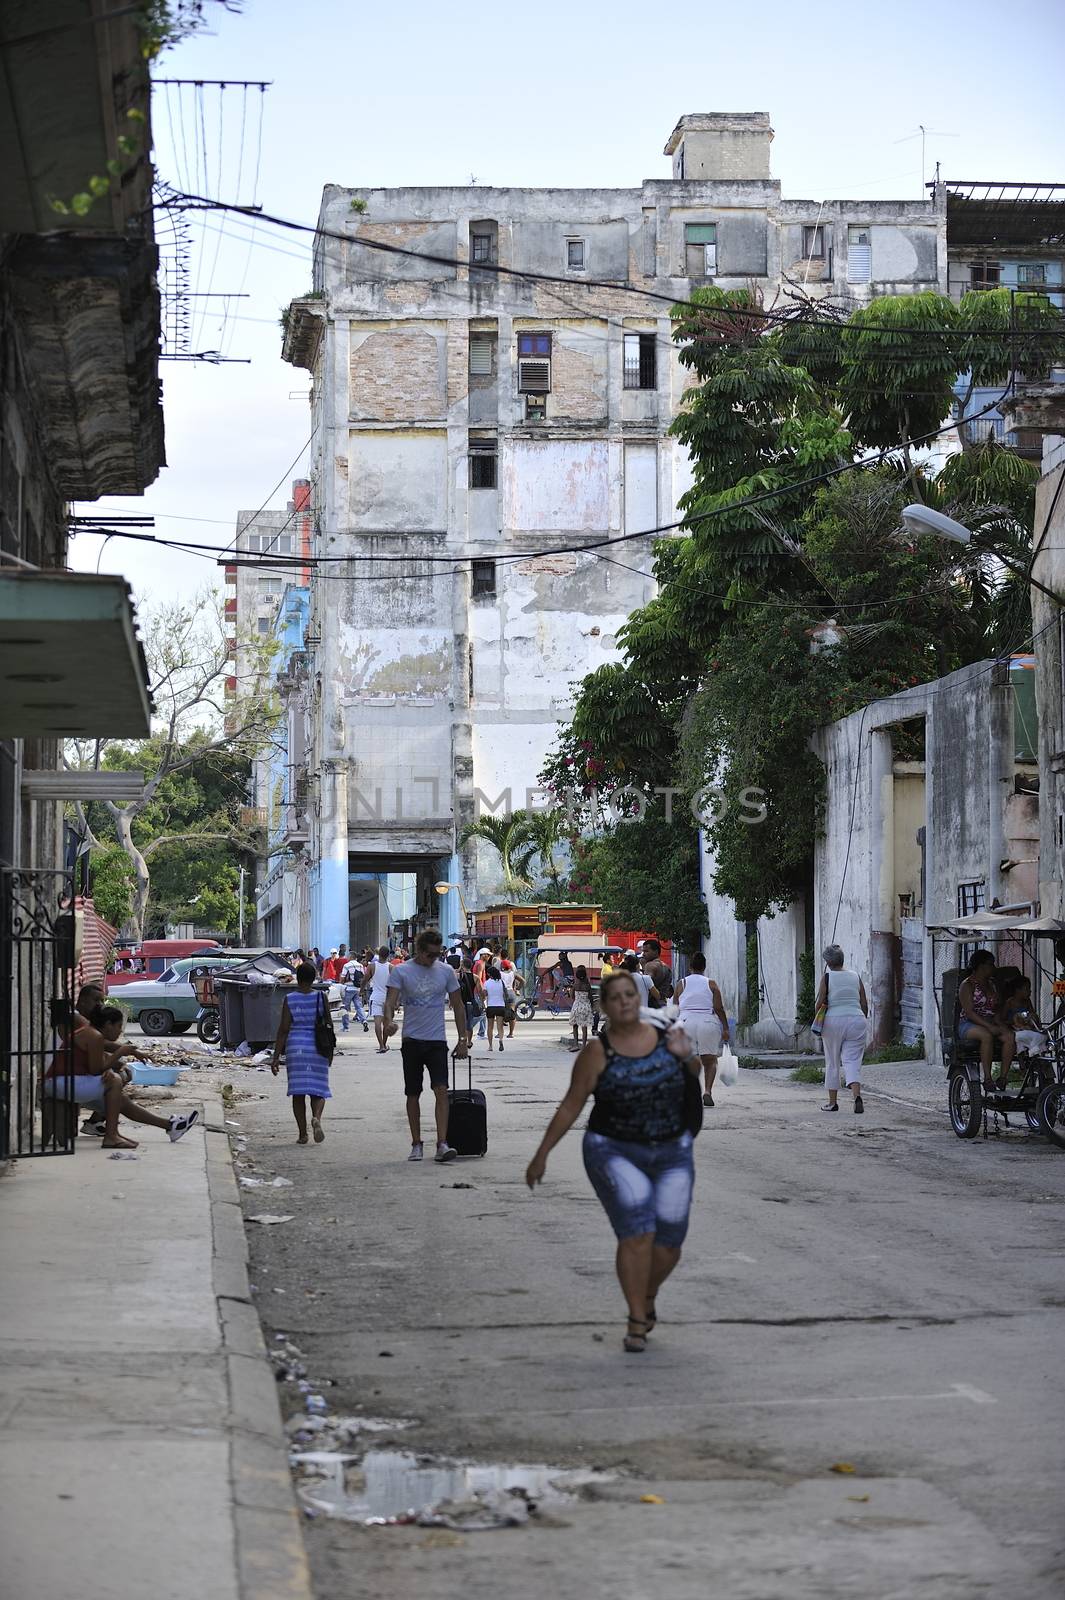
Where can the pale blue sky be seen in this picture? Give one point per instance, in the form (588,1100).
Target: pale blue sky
(556,94)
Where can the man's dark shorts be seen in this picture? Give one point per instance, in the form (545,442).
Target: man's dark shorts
(430,1054)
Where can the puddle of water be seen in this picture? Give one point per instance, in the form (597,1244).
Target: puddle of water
(384,1486)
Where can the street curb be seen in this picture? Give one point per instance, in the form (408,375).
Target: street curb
(271,1559)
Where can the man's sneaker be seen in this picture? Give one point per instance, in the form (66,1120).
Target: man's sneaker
(830,1108)
(179,1126)
(366,1027)
(444,1152)
(859,1108)
(97,1128)
(416,1152)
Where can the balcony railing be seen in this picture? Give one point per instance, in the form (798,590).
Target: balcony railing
(1026,441)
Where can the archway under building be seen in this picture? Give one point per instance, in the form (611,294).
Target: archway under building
(391,896)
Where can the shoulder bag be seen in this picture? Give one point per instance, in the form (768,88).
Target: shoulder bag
(325,1038)
(818,1024)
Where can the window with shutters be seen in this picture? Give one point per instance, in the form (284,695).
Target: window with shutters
(813,243)
(1031,272)
(482,463)
(483,581)
(482,355)
(575,255)
(534,363)
(984,275)
(700,249)
(859,255)
(638,360)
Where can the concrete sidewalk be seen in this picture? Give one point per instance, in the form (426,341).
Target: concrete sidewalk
(920,1084)
(140,1439)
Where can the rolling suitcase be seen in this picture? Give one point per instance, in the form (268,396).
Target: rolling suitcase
(467,1121)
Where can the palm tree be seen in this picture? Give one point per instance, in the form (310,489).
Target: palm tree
(511,837)
(546,831)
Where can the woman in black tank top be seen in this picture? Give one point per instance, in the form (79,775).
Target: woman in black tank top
(638,1147)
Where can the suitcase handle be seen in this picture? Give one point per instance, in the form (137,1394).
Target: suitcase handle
(469,1068)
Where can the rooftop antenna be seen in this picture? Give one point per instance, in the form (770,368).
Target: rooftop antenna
(924,134)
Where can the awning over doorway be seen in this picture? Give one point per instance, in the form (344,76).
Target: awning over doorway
(71,664)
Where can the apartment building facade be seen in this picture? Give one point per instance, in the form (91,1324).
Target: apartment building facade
(493,382)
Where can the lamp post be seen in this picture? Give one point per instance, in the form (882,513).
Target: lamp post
(922,519)
(443,887)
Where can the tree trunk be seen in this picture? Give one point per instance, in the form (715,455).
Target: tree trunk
(124,829)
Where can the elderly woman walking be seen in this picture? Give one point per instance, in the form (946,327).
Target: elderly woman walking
(306,1068)
(845,1029)
(638,1144)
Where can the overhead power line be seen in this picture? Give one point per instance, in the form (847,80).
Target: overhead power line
(193,202)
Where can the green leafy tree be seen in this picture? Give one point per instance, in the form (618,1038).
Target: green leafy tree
(777,616)
(197,760)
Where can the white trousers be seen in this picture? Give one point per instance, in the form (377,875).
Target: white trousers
(844,1040)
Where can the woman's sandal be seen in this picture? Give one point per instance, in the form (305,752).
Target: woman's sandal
(652,1318)
(636,1343)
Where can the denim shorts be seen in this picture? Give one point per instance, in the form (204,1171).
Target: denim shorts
(644,1188)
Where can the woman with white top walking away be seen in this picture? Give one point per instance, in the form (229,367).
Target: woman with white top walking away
(845,1028)
(701,1013)
(495,1002)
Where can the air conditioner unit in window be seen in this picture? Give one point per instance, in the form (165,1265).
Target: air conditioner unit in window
(534,377)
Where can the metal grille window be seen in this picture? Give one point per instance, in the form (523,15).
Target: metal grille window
(971,898)
(482,466)
(984,275)
(859,255)
(638,360)
(813,243)
(575,255)
(482,352)
(700,249)
(483,577)
(534,363)
(1032,272)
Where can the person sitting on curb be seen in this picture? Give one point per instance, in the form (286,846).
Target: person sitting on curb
(82,1057)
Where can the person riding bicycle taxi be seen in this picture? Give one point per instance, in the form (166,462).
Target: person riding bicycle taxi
(980,1003)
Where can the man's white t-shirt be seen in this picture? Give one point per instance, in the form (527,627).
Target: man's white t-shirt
(379,982)
(424,991)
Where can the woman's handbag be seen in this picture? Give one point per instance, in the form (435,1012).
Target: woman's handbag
(818,1024)
(325,1038)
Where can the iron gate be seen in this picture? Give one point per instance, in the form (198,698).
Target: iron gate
(37,955)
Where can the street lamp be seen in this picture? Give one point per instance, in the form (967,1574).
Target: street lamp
(922,519)
(443,888)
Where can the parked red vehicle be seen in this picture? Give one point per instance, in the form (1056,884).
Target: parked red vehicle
(149,959)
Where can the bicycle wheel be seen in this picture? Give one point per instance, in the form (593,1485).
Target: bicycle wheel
(525,1010)
(965,1101)
(1044,1075)
(1051,1108)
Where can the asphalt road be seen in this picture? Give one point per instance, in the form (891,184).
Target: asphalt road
(862,1291)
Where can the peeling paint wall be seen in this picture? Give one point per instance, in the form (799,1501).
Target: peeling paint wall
(413,673)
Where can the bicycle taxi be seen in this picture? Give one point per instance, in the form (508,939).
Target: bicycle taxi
(1023,946)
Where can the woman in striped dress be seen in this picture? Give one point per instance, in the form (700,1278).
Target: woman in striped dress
(308,1072)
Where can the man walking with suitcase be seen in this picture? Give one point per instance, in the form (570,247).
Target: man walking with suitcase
(424,985)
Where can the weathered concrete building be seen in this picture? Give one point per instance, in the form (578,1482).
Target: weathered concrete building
(493,381)
(80,417)
(932,812)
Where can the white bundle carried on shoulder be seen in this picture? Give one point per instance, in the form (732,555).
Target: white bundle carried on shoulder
(728,1068)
